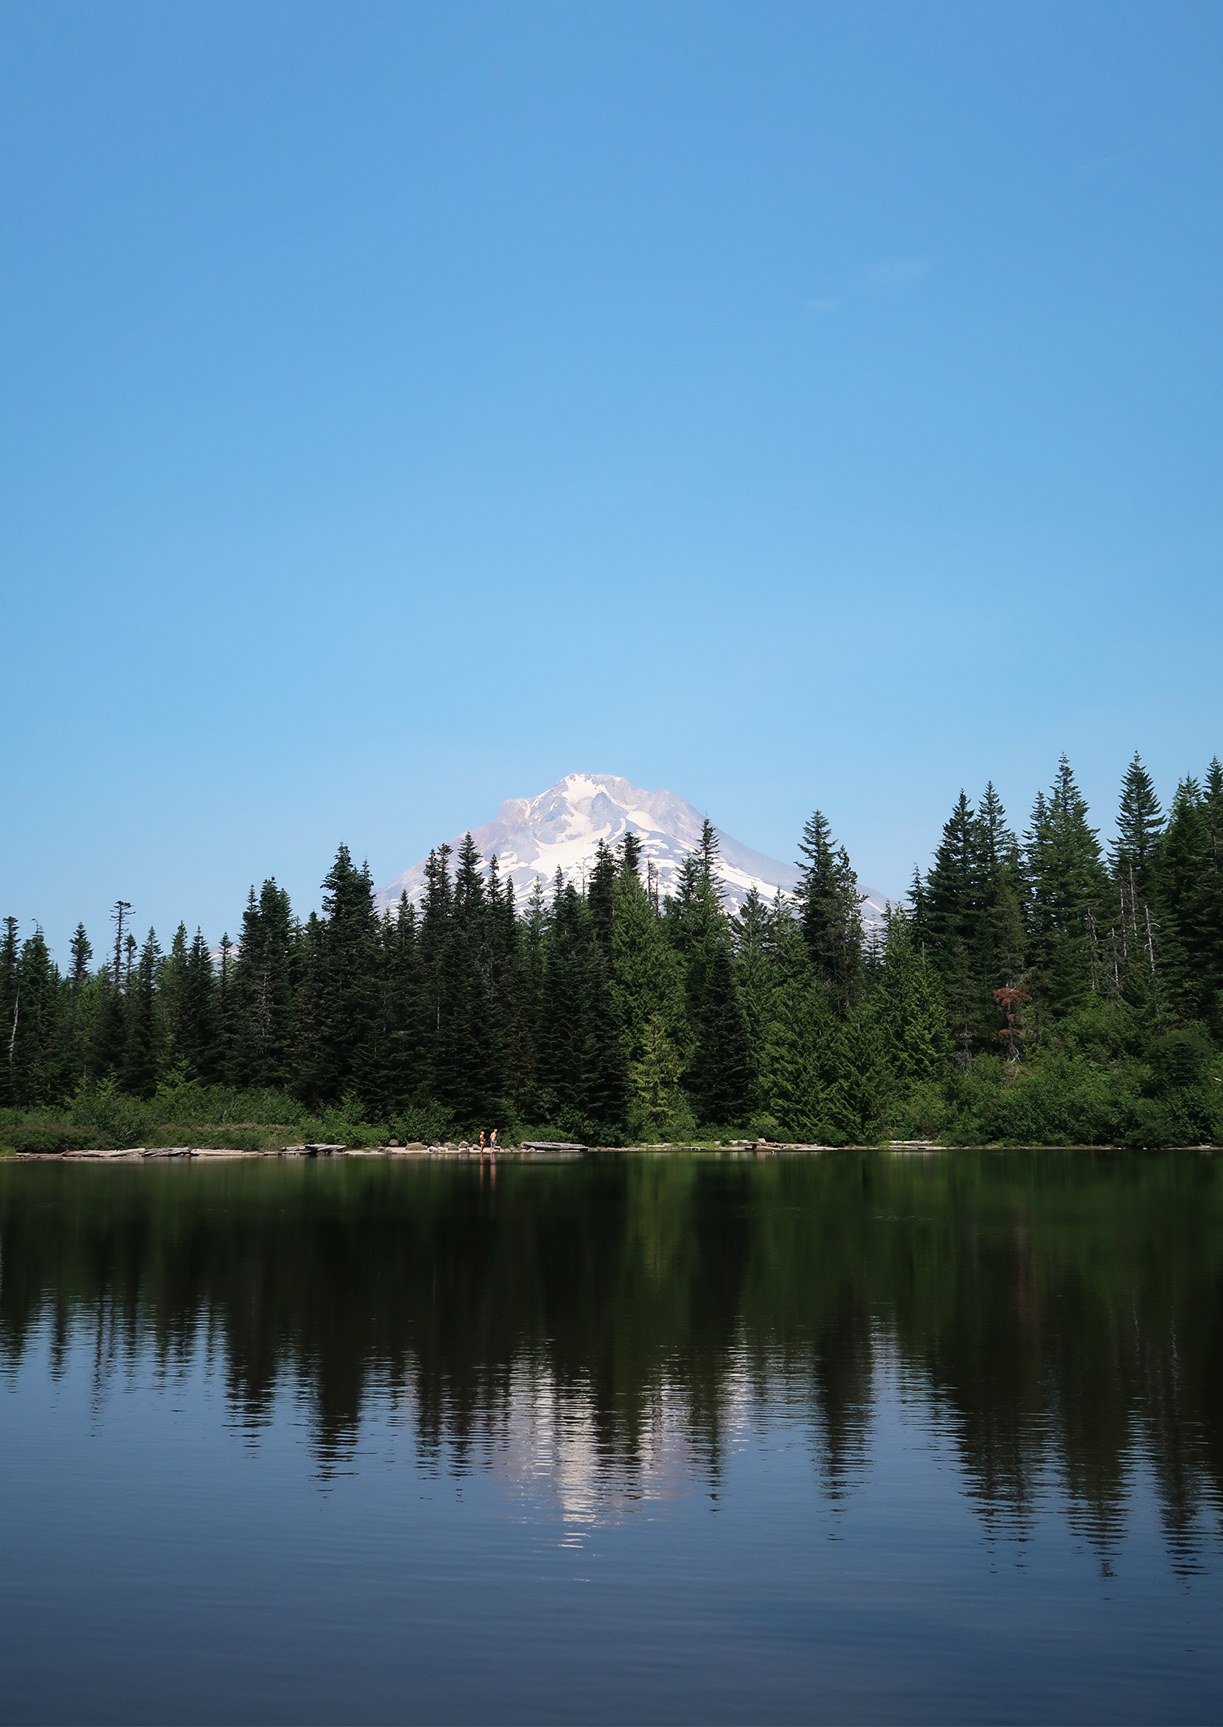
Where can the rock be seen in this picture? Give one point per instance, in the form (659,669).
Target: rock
(120,1154)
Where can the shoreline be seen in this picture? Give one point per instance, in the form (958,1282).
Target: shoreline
(542,1151)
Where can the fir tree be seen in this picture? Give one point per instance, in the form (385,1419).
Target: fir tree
(1140,823)
(719,1072)
(910,1009)
(262,986)
(1210,946)
(143,1041)
(398,1078)
(81,951)
(35,1036)
(829,912)
(434,925)
(646,974)
(108,1027)
(523,1049)
(340,989)
(1134,857)
(752,932)
(630,853)
(467,1052)
(1181,934)
(1069,891)
(951,914)
(10,1010)
(564,1028)
(600,897)
(659,1108)
(75,1022)
(799,1042)
(856,1081)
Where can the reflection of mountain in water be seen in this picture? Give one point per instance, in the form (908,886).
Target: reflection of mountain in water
(595,1335)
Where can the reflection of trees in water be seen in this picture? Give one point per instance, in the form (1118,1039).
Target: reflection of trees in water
(1062,1315)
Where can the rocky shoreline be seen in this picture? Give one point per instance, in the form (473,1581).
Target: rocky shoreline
(538,1150)
(310,1149)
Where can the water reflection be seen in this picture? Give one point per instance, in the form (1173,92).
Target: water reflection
(599,1338)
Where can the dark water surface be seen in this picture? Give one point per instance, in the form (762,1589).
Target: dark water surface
(851,1437)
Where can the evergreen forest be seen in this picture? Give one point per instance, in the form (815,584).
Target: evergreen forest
(1036,987)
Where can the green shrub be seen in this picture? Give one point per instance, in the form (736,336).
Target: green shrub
(427,1123)
(58,1138)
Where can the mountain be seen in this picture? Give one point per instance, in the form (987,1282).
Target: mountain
(560,829)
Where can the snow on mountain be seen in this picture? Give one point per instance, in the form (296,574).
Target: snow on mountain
(561,828)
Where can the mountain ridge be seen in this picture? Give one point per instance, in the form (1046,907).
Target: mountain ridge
(560,828)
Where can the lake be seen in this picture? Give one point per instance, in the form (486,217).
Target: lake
(844,1437)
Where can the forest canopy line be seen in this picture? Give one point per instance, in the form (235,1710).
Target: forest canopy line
(1033,989)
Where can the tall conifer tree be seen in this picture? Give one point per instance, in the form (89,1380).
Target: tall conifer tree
(829,912)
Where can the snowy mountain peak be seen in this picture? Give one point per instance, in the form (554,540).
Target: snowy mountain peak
(561,828)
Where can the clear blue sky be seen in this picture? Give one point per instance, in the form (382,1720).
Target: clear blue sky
(401,406)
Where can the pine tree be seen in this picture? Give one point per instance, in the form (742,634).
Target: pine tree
(1134,856)
(35,1035)
(339,997)
(398,1077)
(522,1058)
(1182,935)
(564,1028)
(1000,959)
(659,1110)
(600,897)
(752,932)
(829,912)
(172,992)
(511,1034)
(910,1009)
(605,1091)
(719,1072)
(262,988)
(434,926)
(76,1018)
(856,1079)
(800,1042)
(10,1011)
(108,1027)
(1069,892)
(201,1018)
(81,950)
(1140,823)
(646,974)
(467,1053)
(630,853)
(1210,945)
(226,1013)
(709,854)
(313,1077)
(143,1045)
(951,918)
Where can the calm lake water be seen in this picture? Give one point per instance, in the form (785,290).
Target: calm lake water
(845,1437)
